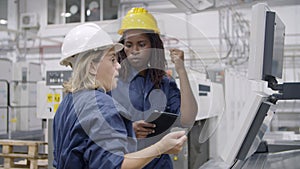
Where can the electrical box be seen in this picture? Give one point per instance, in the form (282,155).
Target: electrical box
(48,100)
(50,93)
(5,77)
(23,96)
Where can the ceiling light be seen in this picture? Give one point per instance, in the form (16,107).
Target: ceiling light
(67,14)
(88,12)
(3,21)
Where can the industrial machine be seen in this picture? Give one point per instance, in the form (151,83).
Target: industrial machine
(210,98)
(49,96)
(50,93)
(18,99)
(23,96)
(246,147)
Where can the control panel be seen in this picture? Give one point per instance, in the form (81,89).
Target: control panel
(57,78)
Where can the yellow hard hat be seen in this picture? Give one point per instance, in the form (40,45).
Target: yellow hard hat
(138,18)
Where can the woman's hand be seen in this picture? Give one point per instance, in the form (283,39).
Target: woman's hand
(172,143)
(142,128)
(177,57)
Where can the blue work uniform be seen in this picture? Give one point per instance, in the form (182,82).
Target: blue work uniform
(91,130)
(141,98)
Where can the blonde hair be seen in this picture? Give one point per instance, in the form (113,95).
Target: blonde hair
(81,77)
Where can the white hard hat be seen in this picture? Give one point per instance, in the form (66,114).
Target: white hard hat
(83,38)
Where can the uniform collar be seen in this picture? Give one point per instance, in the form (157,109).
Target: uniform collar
(134,73)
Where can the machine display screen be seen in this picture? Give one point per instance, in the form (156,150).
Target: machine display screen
(273,46)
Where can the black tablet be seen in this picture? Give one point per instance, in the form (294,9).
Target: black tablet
(162,120)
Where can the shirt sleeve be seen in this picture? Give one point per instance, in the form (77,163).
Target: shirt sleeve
(107,131)
(173,96)
(99,158)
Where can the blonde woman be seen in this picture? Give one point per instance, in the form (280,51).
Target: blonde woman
(90,129)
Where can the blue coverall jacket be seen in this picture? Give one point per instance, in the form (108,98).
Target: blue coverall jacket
(91,131)
(141,98)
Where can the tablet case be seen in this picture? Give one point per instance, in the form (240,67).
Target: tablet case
(162,120)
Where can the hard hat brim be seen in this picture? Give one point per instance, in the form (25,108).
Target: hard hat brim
(69,60)
(118,47)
